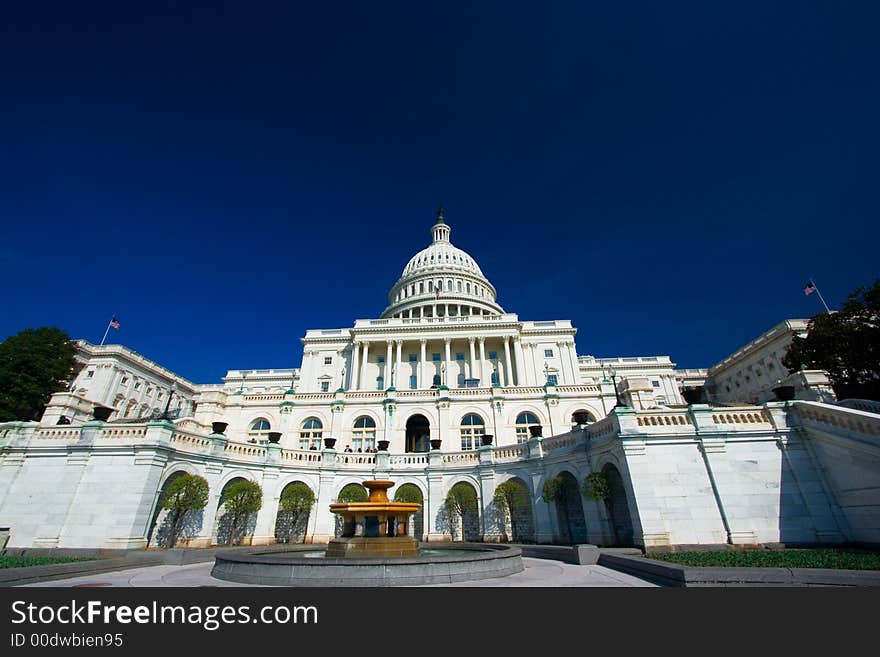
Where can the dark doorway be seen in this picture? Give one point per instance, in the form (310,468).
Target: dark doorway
(418,434)
(617,506)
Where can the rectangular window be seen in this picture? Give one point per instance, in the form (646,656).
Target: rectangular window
(328,360)
(656,384)
(495,379)
(325,386)
(548,353)
(413,382)
(459,356)
(435,357)
(380,359)
(493,355)
(380,383)
(552,379)
(413,358)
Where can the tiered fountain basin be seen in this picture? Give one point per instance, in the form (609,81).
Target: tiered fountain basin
(375,528)
(307,566)
(375,549)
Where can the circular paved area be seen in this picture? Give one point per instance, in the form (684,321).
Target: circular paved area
(538,572)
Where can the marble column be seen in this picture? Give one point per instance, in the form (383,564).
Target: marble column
(519,357)
(473,359)
(508,380)
(354,366)
(364,362)
(387,375)
(399,364)
(421,368)
(484,381)
(447,343)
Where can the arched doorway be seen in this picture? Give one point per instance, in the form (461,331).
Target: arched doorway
(411,493)
(513,502)
(462,511)
(223,524)
(570,511)
(618,507)
(418,434)
(160,526)
(290,526)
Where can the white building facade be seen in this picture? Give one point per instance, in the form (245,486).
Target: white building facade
(445,388)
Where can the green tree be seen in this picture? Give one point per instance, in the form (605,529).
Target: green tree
(33,364)
(353,493)
(185,493)
(409,494)
(510,498)
(461,500)
(596,486)
(846,344)
(297,500)
(563,491)
(240,499)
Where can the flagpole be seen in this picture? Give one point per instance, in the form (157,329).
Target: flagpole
(827,310)
(107,331)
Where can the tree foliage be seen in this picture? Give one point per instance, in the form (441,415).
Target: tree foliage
(408,493)
(297,500)
(846,344)
(33,364)
(240,499)
(511,496)
(353,493)
(461,500)
(596,486)
(185,493)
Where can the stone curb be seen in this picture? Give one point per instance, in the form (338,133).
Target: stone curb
(675,575)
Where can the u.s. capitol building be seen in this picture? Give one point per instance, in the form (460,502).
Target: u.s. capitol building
(445,388)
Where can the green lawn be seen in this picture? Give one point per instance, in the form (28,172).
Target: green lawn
(817,558)
(23,562)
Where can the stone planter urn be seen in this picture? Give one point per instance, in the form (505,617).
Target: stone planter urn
(102,413)
(435,444)
(329,443)
(219,427)
(383,445)
(692,395)
(274,436)
(784,393)
(487,439)
(536,431)
(580,417)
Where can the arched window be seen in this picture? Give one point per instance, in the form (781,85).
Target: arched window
(523,422)
(472,427)
(459,286)
(259,430)
(363,435)
(310,434)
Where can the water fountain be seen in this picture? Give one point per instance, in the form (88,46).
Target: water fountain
(375,549)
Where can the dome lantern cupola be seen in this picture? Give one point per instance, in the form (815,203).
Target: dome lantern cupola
(441,281)
(440,231)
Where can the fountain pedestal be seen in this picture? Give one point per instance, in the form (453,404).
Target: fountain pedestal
(375,528)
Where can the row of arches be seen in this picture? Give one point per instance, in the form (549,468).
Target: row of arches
(513,506)
(439,285)
(363,431)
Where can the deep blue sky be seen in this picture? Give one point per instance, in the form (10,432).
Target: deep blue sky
(223,177)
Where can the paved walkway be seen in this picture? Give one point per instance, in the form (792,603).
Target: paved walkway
(537,573)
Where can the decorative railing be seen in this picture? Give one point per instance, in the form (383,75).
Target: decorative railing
(741,417)
(190,441)
(603,427)
(461,458)
(57,434)
(355,460)
(866,405)
(663,420)
(301,457)
(408,459)
(264,398)
(245,450)
(842,418)
(511,452)
(560,442)
(122,433)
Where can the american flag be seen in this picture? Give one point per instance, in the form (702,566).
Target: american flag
(438,293)
(810,288)
(114,323)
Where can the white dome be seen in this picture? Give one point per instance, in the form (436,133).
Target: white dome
(442,256)
(441,279)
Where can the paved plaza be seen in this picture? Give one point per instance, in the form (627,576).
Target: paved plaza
(537,573)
